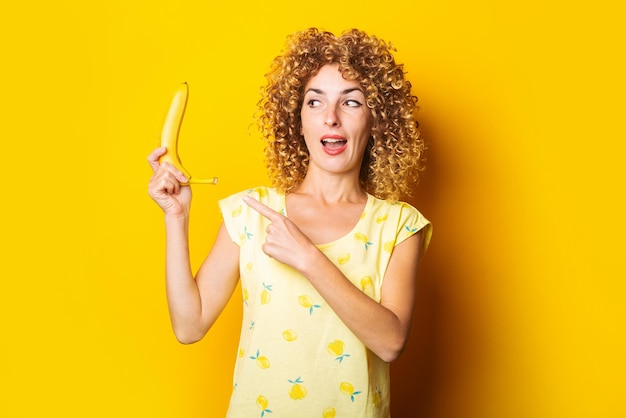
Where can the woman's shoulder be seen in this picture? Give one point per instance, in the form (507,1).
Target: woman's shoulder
(392,206)
(407,219)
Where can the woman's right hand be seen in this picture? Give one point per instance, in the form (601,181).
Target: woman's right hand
(165,186)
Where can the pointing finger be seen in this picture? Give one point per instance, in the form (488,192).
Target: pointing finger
(264,210)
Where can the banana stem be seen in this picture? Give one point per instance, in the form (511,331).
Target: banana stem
(211,180)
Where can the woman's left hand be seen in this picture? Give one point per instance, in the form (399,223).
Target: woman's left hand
(284,241)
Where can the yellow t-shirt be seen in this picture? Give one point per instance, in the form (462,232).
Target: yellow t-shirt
(296,357)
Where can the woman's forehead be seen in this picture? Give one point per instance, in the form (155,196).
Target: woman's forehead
(330,79)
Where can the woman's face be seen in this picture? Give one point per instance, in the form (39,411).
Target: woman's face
(336,122)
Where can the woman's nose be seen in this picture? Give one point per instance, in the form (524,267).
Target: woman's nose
(331,118)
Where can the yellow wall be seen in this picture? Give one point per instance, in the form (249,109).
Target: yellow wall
(521,306)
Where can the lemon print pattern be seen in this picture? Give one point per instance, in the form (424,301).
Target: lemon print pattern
(266,296)
(306,302)
(298,391)
(263,405)
(261,361)
(236,211)
(274,374)
(348,390)
(329,412)
(362,238)
(335,348)
(410,230)
(290,335)
(376,398)
(261,191)
(366,283)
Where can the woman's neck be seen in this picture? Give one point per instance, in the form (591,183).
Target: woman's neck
(332,188)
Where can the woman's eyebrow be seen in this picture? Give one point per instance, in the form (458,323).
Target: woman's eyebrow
(346,91)
(317,91)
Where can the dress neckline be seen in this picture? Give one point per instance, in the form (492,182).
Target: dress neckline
(357,225)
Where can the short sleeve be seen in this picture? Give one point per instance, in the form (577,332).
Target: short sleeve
(241,221)
(232,209)
(411,221)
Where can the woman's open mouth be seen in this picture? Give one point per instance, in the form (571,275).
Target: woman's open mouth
(334,144)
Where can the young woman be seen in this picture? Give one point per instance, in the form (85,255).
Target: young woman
(327,256)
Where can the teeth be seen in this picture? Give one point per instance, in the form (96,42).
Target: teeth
(333,140)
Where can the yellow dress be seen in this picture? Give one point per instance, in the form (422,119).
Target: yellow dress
(296,357)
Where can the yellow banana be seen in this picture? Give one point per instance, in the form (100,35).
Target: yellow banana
(171,129)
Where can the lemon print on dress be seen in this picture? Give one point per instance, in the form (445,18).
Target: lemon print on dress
(265,294)
(335,348)
(366,283)
(348,390)
(263,405)
(298,391)
(329,412)
(262,191)
(306,302)
(244,293)
(376,397)
(410,230)
(290,335)
(389,246)
(381,219)
(343,259)
(245,235)
(261,361)
(248,267)
(236,211)
(362,238)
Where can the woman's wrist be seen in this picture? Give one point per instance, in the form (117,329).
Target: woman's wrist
(314,260)
(174,220)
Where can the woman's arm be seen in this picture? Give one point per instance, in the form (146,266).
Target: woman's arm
(383,327)
(194,302)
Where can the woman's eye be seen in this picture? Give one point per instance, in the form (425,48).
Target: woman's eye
(353,103)
(313,103)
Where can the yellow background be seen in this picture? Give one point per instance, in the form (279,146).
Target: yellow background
(521,305)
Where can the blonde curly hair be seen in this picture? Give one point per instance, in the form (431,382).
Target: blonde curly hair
(395,151)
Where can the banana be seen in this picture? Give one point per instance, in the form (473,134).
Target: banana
(171,130)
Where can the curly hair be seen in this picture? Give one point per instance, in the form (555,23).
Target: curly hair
(395,151)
